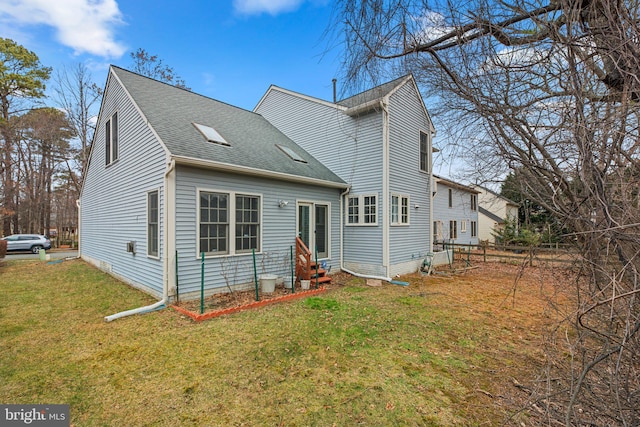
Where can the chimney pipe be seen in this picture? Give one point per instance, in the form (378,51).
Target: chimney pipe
(334,90)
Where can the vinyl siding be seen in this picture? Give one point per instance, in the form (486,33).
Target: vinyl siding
(351,147)
(460,211)
(114,197)
(498,206)
(278,227)
(408,244)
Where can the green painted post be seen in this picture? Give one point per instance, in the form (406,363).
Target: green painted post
(202,286)
(255,274)
(293,279)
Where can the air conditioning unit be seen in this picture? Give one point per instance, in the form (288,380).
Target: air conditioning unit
(131,247)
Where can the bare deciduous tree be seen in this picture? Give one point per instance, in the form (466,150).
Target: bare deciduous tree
(152,66)
(77,95)
(549,88)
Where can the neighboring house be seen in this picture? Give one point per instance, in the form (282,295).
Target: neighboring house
(380,143)
(173,174)
(493,210)
(455,213)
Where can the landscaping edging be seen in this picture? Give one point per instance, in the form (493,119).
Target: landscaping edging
(217,313)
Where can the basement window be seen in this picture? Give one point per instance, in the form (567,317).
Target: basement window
(292,154)
(211,134)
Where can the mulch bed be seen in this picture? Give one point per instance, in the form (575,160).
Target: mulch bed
(224,303)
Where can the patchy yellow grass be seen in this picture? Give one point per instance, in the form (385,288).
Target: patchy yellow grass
(442,351)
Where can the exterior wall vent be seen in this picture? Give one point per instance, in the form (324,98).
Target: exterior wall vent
(131,247)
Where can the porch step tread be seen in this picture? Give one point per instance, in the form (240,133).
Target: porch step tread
(321,279)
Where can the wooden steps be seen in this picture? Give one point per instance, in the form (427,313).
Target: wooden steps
(306,268)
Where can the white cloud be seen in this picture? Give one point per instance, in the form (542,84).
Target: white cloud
(87,26)
(272,7)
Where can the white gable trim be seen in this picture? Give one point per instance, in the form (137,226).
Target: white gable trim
(166,150)
(275,88)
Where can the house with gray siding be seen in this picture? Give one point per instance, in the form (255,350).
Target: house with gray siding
(380,143)
(178,182)
(455,213)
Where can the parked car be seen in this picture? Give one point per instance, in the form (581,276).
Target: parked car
(27,242)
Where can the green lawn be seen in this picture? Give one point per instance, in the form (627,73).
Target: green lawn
(439,352)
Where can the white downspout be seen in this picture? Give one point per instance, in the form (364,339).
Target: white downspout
(385,205)
(79,206)
(342,267)
(165,288)
(385,185)
(342,215)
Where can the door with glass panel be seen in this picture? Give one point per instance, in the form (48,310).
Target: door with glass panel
(313,227)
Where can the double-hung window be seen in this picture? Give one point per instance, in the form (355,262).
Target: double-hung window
(463,226)
(229,223)
(453,229)
(214,223)
(247,223)
(362,210)
(111,139)
(152,223)
(474,229)
(424,152)
(399,209)
(353,210)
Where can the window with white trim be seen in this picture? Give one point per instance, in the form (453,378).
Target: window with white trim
(437,231)
(369,207)
(453,229)
(353,210)
(474,202)
(153,216)
(399,209)
(214,223)
(424,152)
(362,209)
(450,198)
(474,229)
(229,223)
(111,139)
(247,223)
(463,226)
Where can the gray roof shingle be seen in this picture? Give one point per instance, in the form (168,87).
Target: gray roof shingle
(171,112)
(377,92)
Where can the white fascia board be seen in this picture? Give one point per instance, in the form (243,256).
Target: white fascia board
(245,170)
(298,95)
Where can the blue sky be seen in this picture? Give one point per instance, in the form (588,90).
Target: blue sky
(230,50)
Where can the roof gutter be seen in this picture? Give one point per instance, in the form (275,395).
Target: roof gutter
(246,170)
(364,108)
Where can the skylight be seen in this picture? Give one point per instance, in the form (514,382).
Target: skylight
(211,134)
(289,152)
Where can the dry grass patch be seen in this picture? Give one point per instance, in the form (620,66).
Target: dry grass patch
(442,351)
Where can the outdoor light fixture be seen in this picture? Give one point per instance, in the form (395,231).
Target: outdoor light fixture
(283,203)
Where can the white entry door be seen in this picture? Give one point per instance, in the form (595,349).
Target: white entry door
(313,227)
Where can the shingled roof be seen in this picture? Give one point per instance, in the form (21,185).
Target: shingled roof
(252,141)
(373,94)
